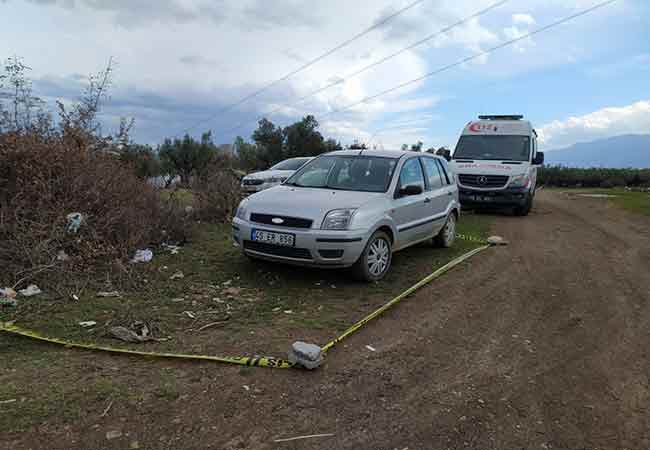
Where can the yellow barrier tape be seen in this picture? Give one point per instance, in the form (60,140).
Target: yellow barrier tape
(467,237)
(247,360)
(403,295)
(241,360)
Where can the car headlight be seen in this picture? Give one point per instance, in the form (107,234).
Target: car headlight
(519,181)
(241,210)
(275,180)
(338,219)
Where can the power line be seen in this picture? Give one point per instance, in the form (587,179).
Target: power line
(341,80)
(472,57)
(308,64)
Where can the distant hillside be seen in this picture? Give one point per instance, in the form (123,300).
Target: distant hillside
(632,150)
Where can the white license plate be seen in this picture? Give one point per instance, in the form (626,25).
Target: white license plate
(271,237)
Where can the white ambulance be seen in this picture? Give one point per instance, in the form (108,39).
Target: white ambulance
(495,162)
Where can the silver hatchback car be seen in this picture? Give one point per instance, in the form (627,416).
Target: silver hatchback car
(351,208)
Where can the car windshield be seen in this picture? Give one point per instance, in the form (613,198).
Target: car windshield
(501,147)
(290,164)
(349,173)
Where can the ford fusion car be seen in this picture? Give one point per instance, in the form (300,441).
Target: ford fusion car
(352,209)
(259,181)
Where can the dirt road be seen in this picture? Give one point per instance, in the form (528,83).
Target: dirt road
(543,344)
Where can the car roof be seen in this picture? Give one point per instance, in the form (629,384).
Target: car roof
(396,154)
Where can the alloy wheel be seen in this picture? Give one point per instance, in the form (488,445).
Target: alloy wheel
(378,256)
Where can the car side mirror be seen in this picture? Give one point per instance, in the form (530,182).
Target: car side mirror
(538,160)
(411,189)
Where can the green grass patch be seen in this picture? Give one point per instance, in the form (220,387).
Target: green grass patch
(268,306)
(245,301)
(634,201)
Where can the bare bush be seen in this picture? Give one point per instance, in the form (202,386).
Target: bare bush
(216,194)
(48,172)
(44,180)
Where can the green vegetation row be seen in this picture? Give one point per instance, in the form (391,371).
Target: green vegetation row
(559,176)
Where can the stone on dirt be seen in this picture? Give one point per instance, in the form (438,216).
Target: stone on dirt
(496,240)
(307,355)
(126,335)
(113,435)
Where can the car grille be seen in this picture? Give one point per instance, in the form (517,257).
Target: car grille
(290,222)
(252,182)
(277,250)
(483,181)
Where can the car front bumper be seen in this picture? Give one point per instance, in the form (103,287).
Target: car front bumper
(312,247)
(499,197)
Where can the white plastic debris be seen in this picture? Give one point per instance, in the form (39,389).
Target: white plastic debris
(61,255)
(141,256)
(173,249)
(74,222)
(87,323)
(177,276)
(108,294)
(30,290)
(307,355)
(371,348)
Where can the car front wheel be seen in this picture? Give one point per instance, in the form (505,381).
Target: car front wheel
(446,236)
(374,262)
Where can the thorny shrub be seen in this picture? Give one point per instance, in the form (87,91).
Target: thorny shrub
(216,193)
(45,177)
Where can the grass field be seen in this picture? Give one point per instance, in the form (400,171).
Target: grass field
(635,201)
(260,309)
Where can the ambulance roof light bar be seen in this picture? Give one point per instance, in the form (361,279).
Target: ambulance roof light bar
(496,117)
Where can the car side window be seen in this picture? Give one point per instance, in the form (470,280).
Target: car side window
(447,174)
(411,174)
(432,172)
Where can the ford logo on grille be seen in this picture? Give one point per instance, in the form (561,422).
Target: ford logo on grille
(482,180)
(277,221)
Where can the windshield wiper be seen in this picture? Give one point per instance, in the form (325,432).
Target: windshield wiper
(293,184)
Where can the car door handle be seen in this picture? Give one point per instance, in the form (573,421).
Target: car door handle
(427,200)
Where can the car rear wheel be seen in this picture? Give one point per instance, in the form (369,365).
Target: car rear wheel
(374,262)
(447,235)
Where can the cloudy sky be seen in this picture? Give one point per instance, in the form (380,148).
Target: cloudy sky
(179,64)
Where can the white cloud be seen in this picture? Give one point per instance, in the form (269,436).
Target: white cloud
(523,19)
(610,121)
(184,60)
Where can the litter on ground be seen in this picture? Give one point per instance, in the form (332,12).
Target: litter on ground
(108,294)
(74,222)
(140,256)
(30,290)
(88,323)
